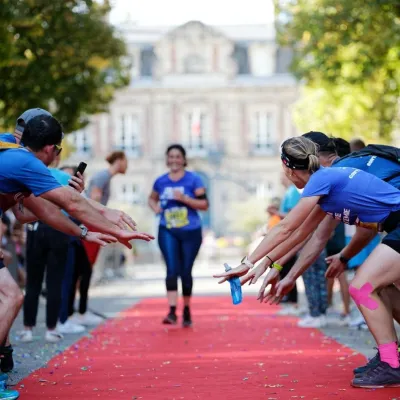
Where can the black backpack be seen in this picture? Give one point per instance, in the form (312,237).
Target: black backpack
(379,150)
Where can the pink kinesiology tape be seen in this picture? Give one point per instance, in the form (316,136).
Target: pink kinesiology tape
(362,296)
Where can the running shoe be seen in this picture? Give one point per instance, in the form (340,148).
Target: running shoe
(170,319)
(380,376)
(9,395)
(3,381)
(187,318)
(372,363)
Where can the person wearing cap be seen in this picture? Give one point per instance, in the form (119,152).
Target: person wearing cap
(354,197)
(28,188)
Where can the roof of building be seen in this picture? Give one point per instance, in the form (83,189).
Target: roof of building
(135,33)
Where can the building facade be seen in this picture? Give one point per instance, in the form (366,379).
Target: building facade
(224,92)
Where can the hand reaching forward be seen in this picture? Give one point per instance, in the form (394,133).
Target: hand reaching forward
(271,279)
(124,237)
(234,272)
(253,275)
(279,290)
(119,218)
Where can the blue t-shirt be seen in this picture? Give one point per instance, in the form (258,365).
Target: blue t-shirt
(21,174)
(353,196)
(290,199)
(378,166)
(61,176)
(7,137)
(176,214)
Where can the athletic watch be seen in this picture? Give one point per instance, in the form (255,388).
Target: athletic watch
(247,262)
(343,259)
(84,232)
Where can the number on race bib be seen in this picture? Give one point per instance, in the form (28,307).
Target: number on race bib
(176,217)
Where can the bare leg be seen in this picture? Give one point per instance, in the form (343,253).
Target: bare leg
(11,300)
(391,297)
(344,291)
(381,269)
(172,296)
(186,300)
(330,282)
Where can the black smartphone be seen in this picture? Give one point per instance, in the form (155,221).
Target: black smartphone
(81,168)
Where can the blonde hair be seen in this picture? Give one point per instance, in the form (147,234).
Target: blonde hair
(301,148)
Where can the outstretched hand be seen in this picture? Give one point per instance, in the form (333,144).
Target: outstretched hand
(253,275)
(119,218)
(124,237)
(100,238)
(234,272)
(271,280)
(280,289)
(336,267)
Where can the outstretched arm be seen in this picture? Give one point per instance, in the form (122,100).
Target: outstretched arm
(305,214)
(314,247)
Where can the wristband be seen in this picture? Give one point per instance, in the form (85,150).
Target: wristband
(247,262)
(277,266)
(343,259)
(272,263)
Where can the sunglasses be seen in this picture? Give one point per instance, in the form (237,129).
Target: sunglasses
(58,149)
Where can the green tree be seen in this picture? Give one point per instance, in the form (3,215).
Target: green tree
(349,51)
(61,55)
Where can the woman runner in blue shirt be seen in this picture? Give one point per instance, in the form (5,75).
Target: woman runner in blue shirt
(176,197)
(355,198)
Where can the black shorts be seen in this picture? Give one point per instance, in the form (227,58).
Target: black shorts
(392,227)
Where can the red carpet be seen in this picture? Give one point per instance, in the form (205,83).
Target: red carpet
(233,352)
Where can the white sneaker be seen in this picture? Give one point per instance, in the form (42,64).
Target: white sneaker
(312,322)
(288,310)
(69,327)
(339,320)
(356,322)
(53,336)
(26,336)
(87,319)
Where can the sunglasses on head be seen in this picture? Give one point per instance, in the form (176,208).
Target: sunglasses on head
(58,149)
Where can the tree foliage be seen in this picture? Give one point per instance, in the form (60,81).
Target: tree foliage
(348,55)
(61,55)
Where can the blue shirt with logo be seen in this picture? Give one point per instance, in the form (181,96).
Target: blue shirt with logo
(22,174)
(378,166)
(175,213)
(353,196)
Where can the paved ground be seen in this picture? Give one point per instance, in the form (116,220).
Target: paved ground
(141,282)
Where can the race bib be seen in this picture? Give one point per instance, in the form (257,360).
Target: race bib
(176,217)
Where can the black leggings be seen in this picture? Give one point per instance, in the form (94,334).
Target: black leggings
(292,295)
(179,249)
(82,273)
(46,249)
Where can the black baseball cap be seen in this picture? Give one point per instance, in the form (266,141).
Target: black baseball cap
(324,142)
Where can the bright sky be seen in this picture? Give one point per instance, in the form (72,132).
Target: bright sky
(175,12)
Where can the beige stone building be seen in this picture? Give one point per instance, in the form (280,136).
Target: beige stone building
(224,92)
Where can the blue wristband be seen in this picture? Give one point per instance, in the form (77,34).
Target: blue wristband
(2,263)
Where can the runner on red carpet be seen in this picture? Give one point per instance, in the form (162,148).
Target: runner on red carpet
(355,198)
(176,197)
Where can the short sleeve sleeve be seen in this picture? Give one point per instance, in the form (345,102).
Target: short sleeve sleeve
(197,182)
(36,177)
(99,180)
(318,185)
(157,186)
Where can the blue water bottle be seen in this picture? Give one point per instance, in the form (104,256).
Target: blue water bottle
(236,287)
